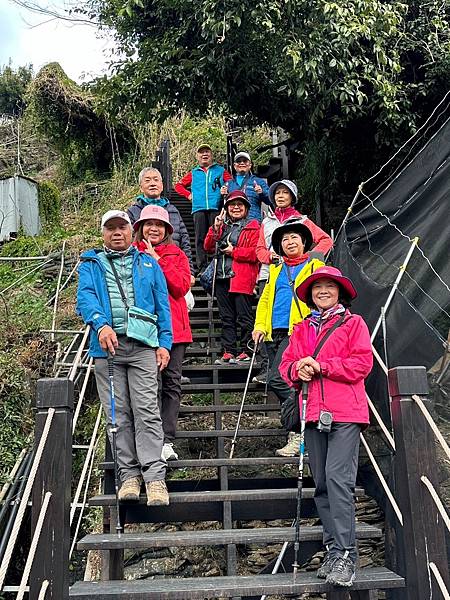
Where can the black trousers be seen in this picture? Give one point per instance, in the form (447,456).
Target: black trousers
(235,311)
(275,351)
(203,220)
(262,346)
(333,458)
(170,391)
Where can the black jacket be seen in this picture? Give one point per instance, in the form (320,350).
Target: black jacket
(180,236)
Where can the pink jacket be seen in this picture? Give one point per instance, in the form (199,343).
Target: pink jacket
(345,360)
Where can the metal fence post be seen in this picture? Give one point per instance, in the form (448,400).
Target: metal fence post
(422,538)
(54,475)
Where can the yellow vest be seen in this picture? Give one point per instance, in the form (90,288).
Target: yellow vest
(264,309)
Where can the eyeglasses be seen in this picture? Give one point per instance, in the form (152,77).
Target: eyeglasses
(238,204)
(241,161)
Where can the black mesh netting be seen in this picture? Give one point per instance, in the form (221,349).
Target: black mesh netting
(372,247)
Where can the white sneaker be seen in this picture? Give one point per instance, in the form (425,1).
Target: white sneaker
(168,453)
(292,446)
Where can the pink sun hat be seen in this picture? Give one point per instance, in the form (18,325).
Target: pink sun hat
(326,273)
(152,211)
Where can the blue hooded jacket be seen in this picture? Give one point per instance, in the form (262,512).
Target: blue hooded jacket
(150,293)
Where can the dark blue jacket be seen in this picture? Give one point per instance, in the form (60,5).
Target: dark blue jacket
(150,293)
(180,236)
(254,198)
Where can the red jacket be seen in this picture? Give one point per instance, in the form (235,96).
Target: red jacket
(175,266)
(345,360)
(244,262)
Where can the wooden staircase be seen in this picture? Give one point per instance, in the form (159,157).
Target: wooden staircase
(231,498)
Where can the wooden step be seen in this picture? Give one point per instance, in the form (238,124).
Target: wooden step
(229,433)
(198,588)
(194,500)
(212,408)
(222,537)
(208,388)
(250,461)
(241,495)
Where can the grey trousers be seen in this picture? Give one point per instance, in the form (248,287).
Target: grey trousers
(333,458)
(139,429)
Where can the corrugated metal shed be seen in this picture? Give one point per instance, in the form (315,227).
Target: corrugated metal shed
(19,207)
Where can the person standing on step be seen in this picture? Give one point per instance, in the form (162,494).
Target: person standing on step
(235,236)
(337,408)
(115,282)
(151,185)
(284,195)
(279,309)
(255,188)
(201,186)
(153,236)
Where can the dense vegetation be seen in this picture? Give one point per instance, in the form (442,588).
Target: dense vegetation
(348,80)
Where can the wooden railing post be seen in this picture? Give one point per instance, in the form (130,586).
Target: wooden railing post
(422,538)
(54,475)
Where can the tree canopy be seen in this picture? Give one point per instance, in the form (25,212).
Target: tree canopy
(349,80)
(13,86)
(298,64)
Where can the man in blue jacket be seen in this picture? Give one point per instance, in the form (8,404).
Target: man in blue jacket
(111,280)
(201,186)
(255,188)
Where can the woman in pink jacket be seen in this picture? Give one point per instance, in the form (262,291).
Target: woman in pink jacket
(336,409)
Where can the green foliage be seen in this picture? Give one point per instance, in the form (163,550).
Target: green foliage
(13,86)
(65,114)
(49,203)
(360,75)
(295,64)
(15,411)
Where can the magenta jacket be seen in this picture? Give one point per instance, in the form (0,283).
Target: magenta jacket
(345,359)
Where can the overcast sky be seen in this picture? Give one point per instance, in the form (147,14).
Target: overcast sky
(26,38)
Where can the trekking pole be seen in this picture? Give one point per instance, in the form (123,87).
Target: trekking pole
(113,429)
(233,443)
(211,302)
(300,476)
(266,383)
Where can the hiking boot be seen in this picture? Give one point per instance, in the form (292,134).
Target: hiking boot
(168,453)
(243,358)
(325,568)
(260,378)
(157,494)
(292,446)
(226,359)
(130,490)
(342,572)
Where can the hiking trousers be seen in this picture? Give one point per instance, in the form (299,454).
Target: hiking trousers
(203,220)
(333,458)
(170,391)
(235,311)
(275,349)
(139,435)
